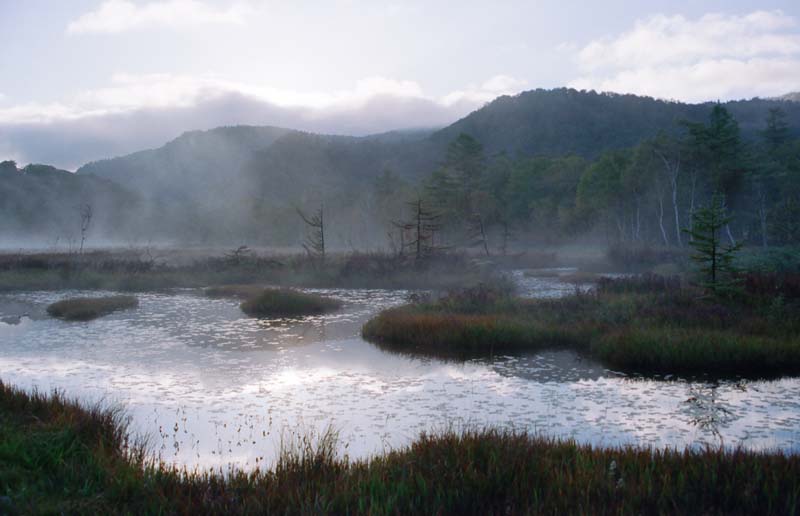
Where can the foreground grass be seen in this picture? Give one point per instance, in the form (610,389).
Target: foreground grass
(57,457)
(649,324)
(88,308)
(285,302)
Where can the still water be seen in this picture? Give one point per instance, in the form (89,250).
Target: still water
(210,387)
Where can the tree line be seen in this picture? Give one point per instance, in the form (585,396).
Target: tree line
(647,194)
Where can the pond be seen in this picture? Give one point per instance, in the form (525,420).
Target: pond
(211,387)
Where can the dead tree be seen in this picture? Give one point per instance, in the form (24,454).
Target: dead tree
(506,236)
(314,243)
(478,233)
(423,225)
(86,223)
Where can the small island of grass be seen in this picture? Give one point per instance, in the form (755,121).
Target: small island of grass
(88,308)
(644,324)
(233,291)
(285,302)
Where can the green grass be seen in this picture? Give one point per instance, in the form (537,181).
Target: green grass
(59,458)
(632,324)
(284,302)
(88,308)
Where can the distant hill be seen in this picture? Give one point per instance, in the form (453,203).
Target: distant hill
(792,97)
(243,183)
(41,202)
(566,121)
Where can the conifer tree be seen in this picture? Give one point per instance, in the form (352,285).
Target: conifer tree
(714,259)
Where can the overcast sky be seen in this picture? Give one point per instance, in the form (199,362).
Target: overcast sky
(86,79)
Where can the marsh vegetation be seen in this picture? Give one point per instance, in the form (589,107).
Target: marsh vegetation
(88,308)
(285,302)
(59,457)
(640,324)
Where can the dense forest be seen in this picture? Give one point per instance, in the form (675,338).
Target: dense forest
(645,193)
(544,166)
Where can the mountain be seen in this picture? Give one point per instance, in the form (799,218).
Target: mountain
(566,121)
(244,183)
(43,203)
(791,97)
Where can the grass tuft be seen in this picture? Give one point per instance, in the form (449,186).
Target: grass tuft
(88,308)
(284,302)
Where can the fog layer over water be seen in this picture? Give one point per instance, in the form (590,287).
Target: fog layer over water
(212,388)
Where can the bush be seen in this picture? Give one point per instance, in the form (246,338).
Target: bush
(88,308)
(285,302)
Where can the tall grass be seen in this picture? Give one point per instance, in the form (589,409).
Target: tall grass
(640,324)
(57,457)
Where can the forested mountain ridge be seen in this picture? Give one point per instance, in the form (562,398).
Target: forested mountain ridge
(540,162)
(565,121)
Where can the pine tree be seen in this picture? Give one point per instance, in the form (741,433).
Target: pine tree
(714,259)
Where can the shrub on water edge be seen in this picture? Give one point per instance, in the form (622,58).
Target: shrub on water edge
(285,302)
(88,308)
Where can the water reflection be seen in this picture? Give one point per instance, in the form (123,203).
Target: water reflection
(213,387)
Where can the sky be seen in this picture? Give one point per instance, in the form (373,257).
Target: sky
(88,79)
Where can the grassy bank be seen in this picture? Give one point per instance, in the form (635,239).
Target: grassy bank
(641,324)
(285,302)
(88,308)
(56,457)
(123,271)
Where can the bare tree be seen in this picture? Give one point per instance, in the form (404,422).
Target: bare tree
(314,243)
(423,225)
(478,233)
(86,223)
(672,169)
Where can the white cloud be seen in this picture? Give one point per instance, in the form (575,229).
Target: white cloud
(129,93)
(115,16)
(134,112)
(492,88)
(716,56)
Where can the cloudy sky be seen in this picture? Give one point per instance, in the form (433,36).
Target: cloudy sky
(86,79)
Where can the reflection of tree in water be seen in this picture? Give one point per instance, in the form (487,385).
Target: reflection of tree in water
(708,410)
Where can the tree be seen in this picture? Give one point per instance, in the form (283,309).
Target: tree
(86,223)
(717,147)
(777,131)
(423,225)
(315,240)
(716,260)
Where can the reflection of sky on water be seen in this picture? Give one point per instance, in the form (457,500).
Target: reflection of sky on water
(212,387)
